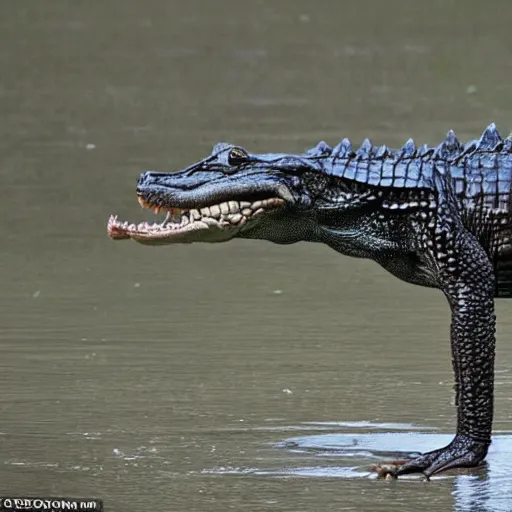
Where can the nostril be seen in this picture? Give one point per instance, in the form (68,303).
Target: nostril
(144,179)
(151,177)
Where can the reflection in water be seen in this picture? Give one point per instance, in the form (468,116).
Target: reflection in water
(350,455)
(491,489)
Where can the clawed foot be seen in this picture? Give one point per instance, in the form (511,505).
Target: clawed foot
(462,452)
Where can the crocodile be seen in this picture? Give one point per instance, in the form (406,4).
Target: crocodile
(438,217)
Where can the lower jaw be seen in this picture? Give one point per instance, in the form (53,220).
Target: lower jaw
(214,226)
(155,234)
(209,236)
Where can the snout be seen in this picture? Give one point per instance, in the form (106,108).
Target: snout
(148,178)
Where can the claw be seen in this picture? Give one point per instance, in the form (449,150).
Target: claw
(419,464)
(466,461)
(462,452)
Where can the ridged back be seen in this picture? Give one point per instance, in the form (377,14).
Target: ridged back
(482,166)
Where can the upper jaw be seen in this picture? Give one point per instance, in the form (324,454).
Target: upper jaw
(207,188)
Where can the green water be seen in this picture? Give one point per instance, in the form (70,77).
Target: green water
(240,376)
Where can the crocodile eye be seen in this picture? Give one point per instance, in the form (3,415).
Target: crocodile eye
(237,156)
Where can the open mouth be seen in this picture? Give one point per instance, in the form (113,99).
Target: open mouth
(210,223)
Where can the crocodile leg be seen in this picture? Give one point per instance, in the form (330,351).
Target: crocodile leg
(467,279)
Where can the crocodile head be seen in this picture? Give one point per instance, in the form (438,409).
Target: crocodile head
(229,194)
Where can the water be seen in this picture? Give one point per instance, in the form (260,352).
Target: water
(241,375)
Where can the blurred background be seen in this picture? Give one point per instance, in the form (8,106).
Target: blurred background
(240,376)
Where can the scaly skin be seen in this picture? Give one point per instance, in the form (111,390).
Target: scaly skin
(436,217)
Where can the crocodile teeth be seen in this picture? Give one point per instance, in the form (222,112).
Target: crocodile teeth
(209,221)
(215,211)
(167,217)
(236,218)
(229,214)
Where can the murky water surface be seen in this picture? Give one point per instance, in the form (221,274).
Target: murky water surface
(242,376)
